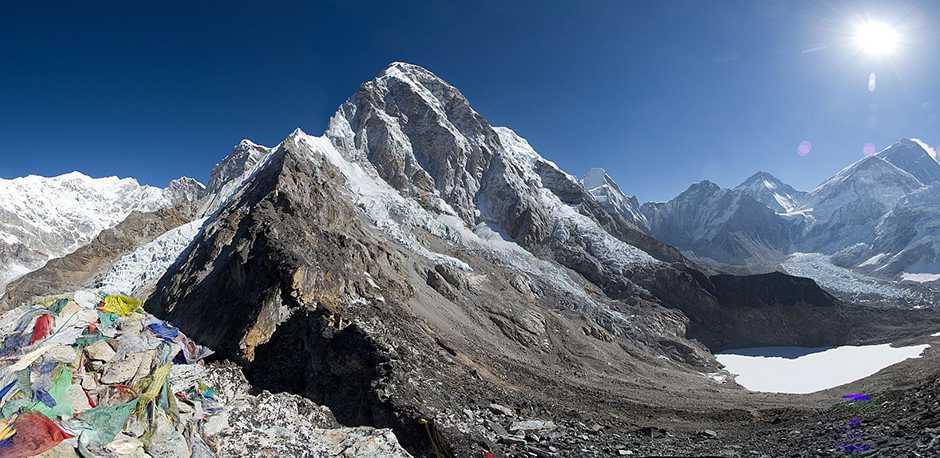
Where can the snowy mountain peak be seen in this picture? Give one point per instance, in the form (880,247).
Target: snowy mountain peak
(847,206)
(245,156)
(704,186)
(419,134)
(926,147)
(606,191)
(770,191)
(247,143)
(914,157)
(761,179)
(596,177)
(184,191)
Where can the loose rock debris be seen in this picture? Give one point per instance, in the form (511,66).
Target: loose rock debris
(94,375)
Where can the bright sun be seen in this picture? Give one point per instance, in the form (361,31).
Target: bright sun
(876,38)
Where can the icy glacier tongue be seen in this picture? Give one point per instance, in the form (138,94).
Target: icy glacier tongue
(846,282)
(47,217)
(597,182)
(144,266)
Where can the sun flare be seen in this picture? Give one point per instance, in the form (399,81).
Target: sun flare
(876,38)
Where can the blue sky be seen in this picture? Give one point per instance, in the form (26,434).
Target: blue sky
(661,93)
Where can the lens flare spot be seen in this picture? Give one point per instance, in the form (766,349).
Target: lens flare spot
(804,148)
(868,149)
(872,82)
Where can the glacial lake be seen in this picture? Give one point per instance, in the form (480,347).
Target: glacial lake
(808,369)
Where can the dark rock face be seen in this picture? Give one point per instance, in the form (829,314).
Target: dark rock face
(76,269)
(776,309)
(185,193)
(270,284)
(243,158)
(773,288)
(408,123)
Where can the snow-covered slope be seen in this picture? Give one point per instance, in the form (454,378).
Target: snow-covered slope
(906,240)
(43,218)
(770,191)
(597,182)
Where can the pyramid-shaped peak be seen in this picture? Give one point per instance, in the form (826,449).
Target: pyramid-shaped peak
(762,179)
(595,177)
(915,157)
(913,147)
(703,186)
(410,72)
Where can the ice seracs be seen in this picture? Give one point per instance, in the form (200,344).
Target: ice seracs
(146,264)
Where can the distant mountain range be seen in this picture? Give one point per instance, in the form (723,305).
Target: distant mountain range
(877,218)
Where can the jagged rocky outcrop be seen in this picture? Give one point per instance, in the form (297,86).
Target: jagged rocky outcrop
(185,193)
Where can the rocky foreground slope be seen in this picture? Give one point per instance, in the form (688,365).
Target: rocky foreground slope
(90,374)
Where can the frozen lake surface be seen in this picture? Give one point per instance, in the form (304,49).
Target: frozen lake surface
(806,369)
